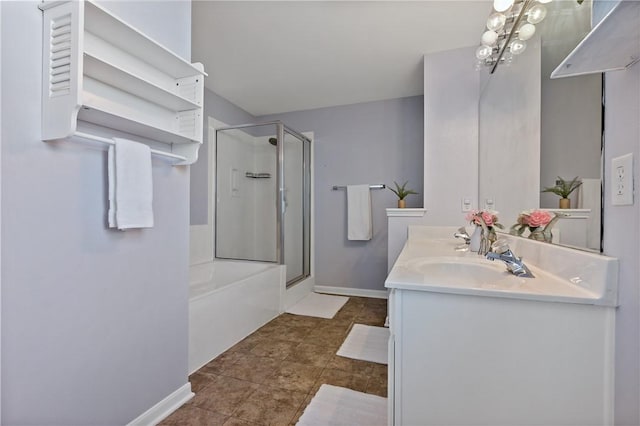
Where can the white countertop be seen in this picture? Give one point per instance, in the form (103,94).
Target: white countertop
(432,261)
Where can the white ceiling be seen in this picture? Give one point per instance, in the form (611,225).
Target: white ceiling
(269,57)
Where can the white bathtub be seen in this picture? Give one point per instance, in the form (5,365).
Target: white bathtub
(228,300)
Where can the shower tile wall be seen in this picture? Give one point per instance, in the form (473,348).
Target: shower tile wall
(246,217)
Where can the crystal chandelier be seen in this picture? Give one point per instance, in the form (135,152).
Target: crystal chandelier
(510,25)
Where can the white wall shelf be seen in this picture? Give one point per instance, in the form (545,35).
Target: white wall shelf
(613,44)
(99,69)
(406,212)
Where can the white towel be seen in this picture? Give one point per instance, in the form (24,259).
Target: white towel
(589,198)
(359,213)
(130,185)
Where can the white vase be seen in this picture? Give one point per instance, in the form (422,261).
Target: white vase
(474,245)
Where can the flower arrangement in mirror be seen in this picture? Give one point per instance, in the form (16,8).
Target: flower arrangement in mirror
(484,235)
(402,193)
(538,222)
(563,189)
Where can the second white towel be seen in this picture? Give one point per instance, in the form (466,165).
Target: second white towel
(359,221)
(130,185)
(589,198)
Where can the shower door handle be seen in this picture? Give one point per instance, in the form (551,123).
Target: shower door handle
(285,204)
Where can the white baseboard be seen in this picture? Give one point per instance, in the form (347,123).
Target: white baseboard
(164,408)
(347,291)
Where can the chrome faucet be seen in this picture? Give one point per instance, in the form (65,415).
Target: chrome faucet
(462,233)
(514,263)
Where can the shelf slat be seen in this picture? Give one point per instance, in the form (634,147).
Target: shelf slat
(114,76)
(119,33)
(100,115)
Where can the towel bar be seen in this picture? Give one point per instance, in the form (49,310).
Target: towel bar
(111,142)
(257,175)
(376,186)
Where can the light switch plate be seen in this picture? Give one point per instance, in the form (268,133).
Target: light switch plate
(466,204)
(622,180)
(489,204)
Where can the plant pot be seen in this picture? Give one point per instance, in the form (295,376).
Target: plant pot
(565,203)
(402,204)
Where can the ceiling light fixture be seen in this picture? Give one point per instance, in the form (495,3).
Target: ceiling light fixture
(510,25)
(502,5)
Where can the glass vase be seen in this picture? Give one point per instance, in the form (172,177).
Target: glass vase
(476,237)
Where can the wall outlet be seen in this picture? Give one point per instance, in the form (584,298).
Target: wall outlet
(622,180)
(466,204)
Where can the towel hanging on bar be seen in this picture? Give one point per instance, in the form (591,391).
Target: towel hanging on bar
(130,185)
(359,221)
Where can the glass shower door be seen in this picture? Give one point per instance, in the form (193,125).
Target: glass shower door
(263,196)
(297,202)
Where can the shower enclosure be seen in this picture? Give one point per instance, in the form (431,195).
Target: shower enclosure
(263,200)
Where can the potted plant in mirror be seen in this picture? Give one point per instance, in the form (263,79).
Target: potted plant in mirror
(563,189)
(402,193)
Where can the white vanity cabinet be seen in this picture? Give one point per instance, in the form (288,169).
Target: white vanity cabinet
(487,355)
(469,360)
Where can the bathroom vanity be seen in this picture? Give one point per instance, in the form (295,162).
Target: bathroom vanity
(473,344)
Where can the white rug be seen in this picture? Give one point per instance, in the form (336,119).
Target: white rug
(366,343)
(318,305)
(333,405)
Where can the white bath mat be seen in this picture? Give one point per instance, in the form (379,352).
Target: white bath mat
(318,305)
(333,405)
(367,343)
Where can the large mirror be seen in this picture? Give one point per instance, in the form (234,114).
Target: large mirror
(535,130)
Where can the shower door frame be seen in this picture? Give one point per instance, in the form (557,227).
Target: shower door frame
(281,129)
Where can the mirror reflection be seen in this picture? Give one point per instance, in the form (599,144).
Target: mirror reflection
(539,134)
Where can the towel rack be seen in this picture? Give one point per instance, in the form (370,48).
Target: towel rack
(112,142)
(376,186)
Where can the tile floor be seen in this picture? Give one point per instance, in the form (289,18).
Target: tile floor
(270,377)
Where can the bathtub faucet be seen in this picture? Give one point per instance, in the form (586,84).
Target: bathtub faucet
(514,264)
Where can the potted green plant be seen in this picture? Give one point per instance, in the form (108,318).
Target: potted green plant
(402,193)
(563,189)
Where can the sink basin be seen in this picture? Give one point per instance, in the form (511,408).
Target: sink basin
(454,272)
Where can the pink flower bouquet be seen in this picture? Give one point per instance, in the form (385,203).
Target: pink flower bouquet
(488,217)
(537,222)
